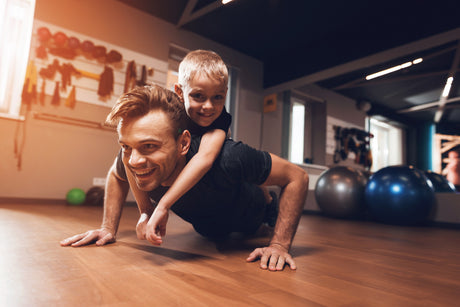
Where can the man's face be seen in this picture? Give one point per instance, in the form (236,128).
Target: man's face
(204,99)
(150,151)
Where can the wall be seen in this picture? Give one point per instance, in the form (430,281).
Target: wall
(56,156)
(324,104)
(272,128)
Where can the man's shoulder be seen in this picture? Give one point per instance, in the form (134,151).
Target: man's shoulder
(244,162)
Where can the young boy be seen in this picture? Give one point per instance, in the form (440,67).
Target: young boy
(202,86)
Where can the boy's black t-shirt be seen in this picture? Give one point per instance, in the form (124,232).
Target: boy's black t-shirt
(223,122)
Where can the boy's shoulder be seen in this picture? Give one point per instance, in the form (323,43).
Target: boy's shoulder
(223,122)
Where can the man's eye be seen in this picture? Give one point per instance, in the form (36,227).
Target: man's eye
(149,146)
(125,147)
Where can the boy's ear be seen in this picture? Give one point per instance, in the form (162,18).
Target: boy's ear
(184,142)
(178,90)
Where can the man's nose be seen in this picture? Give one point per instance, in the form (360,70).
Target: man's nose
(136,158)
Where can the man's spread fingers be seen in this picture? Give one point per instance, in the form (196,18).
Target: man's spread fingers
(106,239)
(291,263)
(87,239)
(71,240)
(254,255)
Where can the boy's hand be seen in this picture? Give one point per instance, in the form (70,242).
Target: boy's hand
(141,227)
(156,227)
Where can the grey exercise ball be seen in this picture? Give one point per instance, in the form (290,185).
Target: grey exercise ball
(339,192)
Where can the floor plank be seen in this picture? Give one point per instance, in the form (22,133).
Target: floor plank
(340,263)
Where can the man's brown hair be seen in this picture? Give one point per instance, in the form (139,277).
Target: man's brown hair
(141,100)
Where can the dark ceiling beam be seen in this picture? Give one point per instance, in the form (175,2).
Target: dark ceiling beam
(362,82)
(443,98)
(375,59)
(386,112)
(426,106)
(188,14)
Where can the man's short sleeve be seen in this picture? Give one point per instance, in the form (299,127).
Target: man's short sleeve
(120,167)
(241,162)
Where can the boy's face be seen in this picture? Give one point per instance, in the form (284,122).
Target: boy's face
(204,99)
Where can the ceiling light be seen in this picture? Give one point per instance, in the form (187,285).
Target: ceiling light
(226,1)
(393,69)
(388,70)
(447,87)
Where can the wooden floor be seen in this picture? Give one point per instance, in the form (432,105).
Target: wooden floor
(340,263)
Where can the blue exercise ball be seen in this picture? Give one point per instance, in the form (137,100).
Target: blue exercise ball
(440,183)
(339,192)
(400,195)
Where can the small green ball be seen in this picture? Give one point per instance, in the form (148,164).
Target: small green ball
(75,196)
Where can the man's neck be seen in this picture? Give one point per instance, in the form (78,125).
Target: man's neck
(179,167)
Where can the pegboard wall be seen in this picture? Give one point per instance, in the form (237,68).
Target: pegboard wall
(80,68)
(330,133)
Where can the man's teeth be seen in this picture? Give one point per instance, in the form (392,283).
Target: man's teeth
(143,173)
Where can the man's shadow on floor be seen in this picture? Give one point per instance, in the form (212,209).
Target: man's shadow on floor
(234,243)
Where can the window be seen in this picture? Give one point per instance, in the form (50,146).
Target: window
(297,131)
(386,145)
(16,20)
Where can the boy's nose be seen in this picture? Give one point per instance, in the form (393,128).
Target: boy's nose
(207,105)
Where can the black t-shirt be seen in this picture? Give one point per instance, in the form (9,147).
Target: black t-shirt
(223,122)
(227,198)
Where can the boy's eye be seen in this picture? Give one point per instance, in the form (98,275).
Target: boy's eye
(218,97)
(198,97)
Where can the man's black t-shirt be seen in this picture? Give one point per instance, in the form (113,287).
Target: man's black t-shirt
(227,199)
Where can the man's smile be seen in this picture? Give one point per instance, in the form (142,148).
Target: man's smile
(144,173)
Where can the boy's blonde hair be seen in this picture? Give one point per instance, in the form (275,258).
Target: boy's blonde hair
(202,61)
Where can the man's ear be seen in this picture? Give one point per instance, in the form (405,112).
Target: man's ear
(184,142)
(179,91)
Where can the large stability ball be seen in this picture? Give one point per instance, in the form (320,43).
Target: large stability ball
(95,196)
(339,192)
(75,196)
(399,195)
(440,183)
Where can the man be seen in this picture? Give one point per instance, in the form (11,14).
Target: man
(151,124)
(452,169)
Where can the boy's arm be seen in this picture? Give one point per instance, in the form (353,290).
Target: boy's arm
(142,198)
(210,147)
(144,204)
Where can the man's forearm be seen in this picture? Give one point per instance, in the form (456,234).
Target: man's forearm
(292,200)
(116,191)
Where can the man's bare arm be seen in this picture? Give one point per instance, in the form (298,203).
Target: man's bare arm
(116,191)
(294,187)
(115,195)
